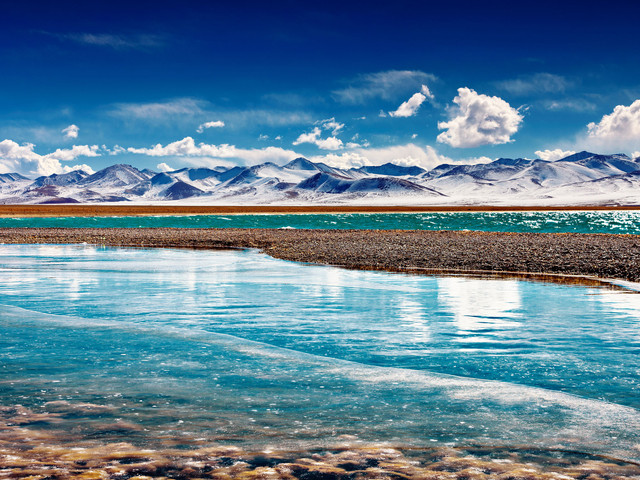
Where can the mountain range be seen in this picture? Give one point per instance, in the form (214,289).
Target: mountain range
(581,178)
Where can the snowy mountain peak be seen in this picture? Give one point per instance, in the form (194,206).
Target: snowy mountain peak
(577,157)
(300,163)
(119,175)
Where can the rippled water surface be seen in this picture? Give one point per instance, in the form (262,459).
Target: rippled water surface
(549,221)
(184,348)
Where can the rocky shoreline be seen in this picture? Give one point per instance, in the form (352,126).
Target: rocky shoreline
(564,257)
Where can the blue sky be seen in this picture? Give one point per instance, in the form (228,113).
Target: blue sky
(213,83)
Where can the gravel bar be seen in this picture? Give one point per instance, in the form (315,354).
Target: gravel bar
(550,256)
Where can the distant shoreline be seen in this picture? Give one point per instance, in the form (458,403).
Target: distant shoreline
(84,210)
(587,259)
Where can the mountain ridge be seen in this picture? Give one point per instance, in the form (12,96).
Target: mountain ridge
(581,176)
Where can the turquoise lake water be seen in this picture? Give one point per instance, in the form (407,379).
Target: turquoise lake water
(185,347)
(580,222)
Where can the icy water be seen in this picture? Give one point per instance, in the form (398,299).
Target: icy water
(177,350)
(547,221)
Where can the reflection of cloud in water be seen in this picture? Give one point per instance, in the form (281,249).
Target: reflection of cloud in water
(413,317)
(478,304)
(620,307)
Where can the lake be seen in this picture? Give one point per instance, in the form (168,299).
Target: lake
(625,221)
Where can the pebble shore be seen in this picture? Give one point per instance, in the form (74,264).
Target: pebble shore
(565,257)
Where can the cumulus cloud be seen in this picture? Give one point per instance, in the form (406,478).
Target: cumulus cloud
(71,131)
(619,128)
(552,155)
(411,106)
(66,155)
(213,124)
(23,158)
(329,143)
(163,167)
(479,120)
(386,85)
(188,148)
(536,83)
(635,154)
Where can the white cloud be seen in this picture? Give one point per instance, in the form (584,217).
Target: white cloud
(331,124)
(71,131)
(186,110)
(552,155)
(426,92)
(571,104)
(330,143)
(387,85)
(619,129)
(160,110)
(213,124)
(84,166)
(116,150)
(536,83)
(23,159)
(203,152)
(635,154)
(411,106)
(479,120)
(74,152)
(408,155)
(163,167)
(263,137)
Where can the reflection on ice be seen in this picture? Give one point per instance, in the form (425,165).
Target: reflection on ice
(480,304)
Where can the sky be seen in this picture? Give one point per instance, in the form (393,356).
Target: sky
(167,85)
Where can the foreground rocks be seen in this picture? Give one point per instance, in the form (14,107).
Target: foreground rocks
(39,453)
(528,254)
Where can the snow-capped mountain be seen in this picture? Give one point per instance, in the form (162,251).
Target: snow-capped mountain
(115,176)
(582,178)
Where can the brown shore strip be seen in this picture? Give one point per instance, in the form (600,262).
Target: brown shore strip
(84,210)
(563,257)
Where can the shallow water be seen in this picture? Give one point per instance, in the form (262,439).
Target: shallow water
(183,349)
(545,221)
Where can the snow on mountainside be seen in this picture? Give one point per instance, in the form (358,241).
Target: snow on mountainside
(581,178)
(60,180)
(11,177)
